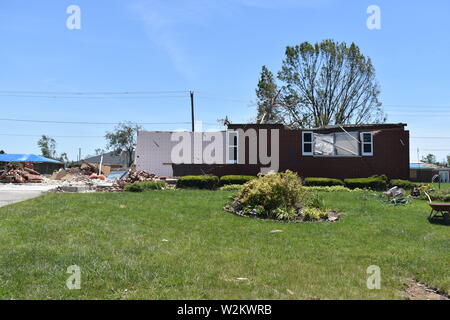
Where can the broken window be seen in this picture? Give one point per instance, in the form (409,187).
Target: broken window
(232,146)
(345,144)
(324,144)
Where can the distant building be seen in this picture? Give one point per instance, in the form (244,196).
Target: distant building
(424,172)
(112,159)
(41,164)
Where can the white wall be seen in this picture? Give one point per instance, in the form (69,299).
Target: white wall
(153,150)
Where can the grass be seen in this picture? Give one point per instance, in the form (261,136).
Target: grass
(116,240)
(444,186)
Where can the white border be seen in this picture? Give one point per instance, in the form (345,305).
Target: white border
(363,143)
(228,147)
(303,143)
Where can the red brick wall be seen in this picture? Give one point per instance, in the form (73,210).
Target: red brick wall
(391,157)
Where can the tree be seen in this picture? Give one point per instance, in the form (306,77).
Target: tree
(267,93)
(322,84)
(123,139)
(99,151)
(63,157)
(2,152)
(429,158)
(47,146)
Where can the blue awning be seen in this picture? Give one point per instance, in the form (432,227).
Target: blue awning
(26,158)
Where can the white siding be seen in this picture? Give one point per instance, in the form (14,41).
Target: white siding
(153,151)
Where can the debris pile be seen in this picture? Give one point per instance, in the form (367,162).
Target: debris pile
(15,174)
(133,176)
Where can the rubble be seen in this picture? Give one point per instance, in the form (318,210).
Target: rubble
(85,178)
(15,174)
(133,176)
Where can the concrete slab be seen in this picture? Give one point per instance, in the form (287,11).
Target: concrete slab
(12,193)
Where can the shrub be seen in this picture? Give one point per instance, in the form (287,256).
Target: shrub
(381,177)
(405,184)
(323,182)
(198,182)
(235,179)
(367,183)
(276,196)
(231,187)
(441,195)
(141,186)
(312,214)
(316,201)
(334,189)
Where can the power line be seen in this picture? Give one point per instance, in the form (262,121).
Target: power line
(40,135)
(94,123)
(429,137)
(89,97)
(90,92)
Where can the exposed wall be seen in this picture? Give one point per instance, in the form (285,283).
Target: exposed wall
(391,156)
(390,147)
(154,149)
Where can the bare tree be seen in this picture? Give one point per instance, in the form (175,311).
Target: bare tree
(323,84)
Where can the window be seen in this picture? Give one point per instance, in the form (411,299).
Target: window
(324,144)
(307,143)
(346,144)
(367,144)
(337,144)
(232,146)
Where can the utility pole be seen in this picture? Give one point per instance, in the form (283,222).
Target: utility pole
(191,93)
(79,154)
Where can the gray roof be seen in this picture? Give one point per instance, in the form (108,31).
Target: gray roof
(110,158)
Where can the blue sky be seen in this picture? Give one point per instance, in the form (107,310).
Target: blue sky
(215,48)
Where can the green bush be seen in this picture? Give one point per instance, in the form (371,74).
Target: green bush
(313,214)
(323,182)
(366,183)
(231,187)
(333,189)
(198,182)
(405,184)
(440,196)
(235,179)
(381,177)
(277,196)
(141,186)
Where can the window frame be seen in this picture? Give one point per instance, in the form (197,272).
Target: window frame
(304,153)
(346,155)
(234,146)
(363,143)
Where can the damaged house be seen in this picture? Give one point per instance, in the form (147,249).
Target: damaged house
(347,151)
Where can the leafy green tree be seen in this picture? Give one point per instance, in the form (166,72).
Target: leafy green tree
(322,84)
(123,139)
(267,94)
(2,152)
(64,158)
(47,146)
(429,158)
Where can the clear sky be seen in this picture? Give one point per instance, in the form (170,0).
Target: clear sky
(215,48)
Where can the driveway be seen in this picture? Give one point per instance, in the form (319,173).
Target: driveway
(12,193)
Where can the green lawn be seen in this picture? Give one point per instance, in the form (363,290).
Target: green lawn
(444,186)
(121,253)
